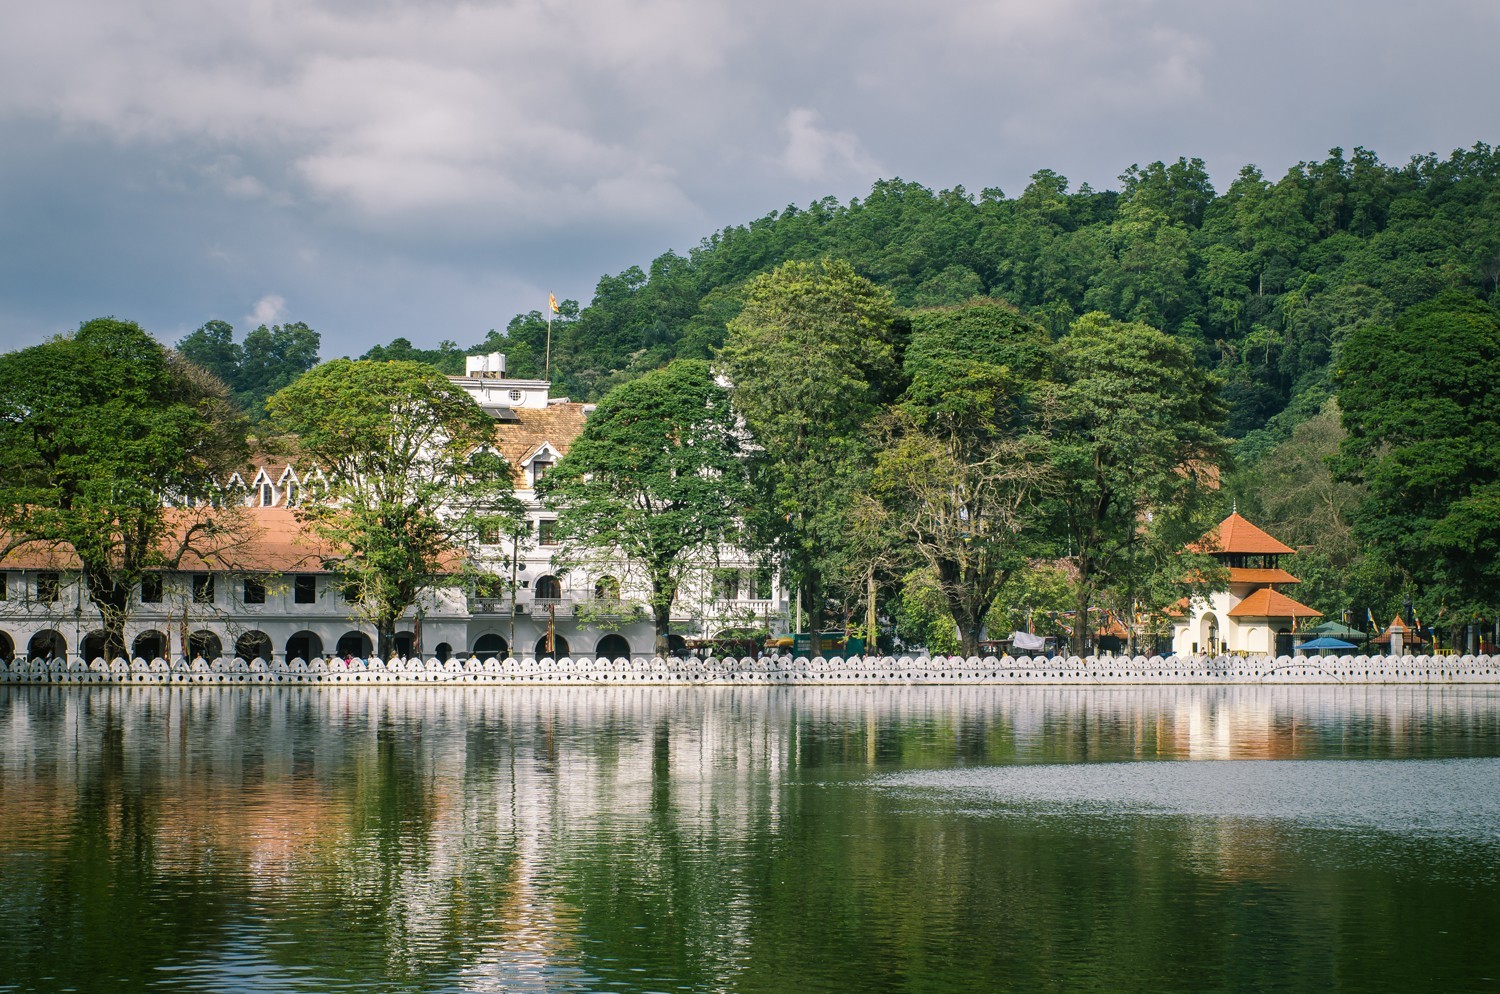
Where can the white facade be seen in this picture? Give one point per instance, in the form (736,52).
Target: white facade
(278,602)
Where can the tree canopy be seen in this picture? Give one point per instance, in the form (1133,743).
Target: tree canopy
(811,360)
(1423,423)
(413,485)
(113,447)
(656,481)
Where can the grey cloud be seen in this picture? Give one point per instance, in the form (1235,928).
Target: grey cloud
(428,169)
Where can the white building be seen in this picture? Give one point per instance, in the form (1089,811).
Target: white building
(272,596)
(1249,615)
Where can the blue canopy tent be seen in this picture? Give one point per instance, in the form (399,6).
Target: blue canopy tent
(1324,646)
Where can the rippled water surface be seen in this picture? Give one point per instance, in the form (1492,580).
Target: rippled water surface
(755,839)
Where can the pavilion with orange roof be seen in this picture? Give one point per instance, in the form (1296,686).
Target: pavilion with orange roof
(1249,615)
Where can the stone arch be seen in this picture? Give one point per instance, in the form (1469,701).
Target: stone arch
(355,644)
(612,646)
(559,647)
(677,645)
(442,651)
(7,647)
(150,644)
(47,644)
(96,645)
(304,645)
(548,587)
(253,645)
(1209,633)
(405,644)
(489,645)
(204,644)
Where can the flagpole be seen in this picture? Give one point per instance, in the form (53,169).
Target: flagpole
(547,369)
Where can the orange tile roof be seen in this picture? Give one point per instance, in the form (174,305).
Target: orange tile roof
(1267,603)
(557,423)
(262,540)
(1237,536)
(1245,574)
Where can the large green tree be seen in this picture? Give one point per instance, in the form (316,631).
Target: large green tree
(1136,450)
(412,482)
(269,359)
(962,466)
(811,361)
(656,478)
(114,449)
(1423,422)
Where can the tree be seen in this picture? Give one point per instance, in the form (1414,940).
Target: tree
(113,449)
(269,359)
(811,360)
(412,484)
(1423,423)
(961,466)
(656,477)
(1136,448)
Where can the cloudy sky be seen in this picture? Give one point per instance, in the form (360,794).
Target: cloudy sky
(429,168)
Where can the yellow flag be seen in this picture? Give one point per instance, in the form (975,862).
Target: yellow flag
(552,303)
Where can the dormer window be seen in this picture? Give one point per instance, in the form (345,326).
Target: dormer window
(267,495)
(291,494)
(539,470)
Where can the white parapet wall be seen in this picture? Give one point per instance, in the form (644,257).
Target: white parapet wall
(782,671)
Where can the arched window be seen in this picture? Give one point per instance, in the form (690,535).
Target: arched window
(547,588)
(204,644)
(96,645)
(150,644)
(612,647)
(47,644)
(304,645)
(7,647)
(491,645)
(253,645)
(607,588)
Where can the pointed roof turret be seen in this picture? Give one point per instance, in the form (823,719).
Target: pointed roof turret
(1236,536)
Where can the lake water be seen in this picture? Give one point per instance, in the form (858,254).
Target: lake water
(750,839)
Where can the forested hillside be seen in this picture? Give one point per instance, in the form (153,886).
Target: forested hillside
(1264,279)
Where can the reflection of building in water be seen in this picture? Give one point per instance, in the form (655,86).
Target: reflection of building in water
(479,820)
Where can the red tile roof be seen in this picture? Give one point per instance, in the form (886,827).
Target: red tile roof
(1243,574)
(1236,536)
(1267,603)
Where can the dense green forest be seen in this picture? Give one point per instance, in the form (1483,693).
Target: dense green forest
(1270,285)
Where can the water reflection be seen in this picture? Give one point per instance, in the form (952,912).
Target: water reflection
(741,838)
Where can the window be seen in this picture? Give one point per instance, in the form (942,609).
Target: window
(305,589)
(267,495)
(4,584)
(763,584)
(539,470)
(151,587)
(255,590)
(47,587)
(547,588)
(546,531)
(291,494)
(515,395)
(203,588)
(349,591)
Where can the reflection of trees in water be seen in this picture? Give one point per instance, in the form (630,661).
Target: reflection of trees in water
(713,836)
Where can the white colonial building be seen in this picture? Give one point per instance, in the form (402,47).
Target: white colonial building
(271,595)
